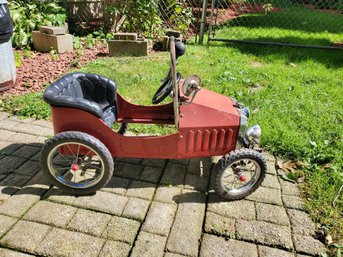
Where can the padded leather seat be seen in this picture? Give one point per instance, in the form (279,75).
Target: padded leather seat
(89,92)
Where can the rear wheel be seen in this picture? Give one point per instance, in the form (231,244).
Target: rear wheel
(239,173)
(76,162)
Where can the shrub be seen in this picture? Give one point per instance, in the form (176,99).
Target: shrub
(29,15)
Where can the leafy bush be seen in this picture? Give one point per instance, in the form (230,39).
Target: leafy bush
(131,15)
(29,15)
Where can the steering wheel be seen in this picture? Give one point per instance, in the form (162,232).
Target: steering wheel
(165,89)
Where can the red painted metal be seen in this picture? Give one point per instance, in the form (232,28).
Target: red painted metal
(207,127)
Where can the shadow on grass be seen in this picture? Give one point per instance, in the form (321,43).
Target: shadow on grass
(331,58)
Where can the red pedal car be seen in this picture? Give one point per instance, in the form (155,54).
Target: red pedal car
(79,158)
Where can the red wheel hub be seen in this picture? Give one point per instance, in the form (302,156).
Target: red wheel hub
(242,178)
(74,167)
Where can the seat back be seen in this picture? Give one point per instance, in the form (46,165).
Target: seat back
(90,92)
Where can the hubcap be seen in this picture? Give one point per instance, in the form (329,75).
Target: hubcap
(240,176)
(75,165)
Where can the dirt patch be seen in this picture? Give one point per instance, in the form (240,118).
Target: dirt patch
(44,68)
(222,15)
(330,11)
(256,64)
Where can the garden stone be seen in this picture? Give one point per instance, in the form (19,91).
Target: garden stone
(265,251)
(89,222)
(264,233)
(301,223)
(141,189)
(115,249)
(219,225)
(44,42)
(308,245)
(168,194)
(149,245)
(272,213)
(159,219)
(6,223)
(266,195)
(174,175)
(136,209)
(122,229)
(293,202)
(25,236)
(213,246)
(9,253)
(61,242)
(51,213)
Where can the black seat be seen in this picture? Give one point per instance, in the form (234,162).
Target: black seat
(89,92)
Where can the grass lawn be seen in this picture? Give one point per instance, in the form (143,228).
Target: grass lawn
(296,95)
(292,24)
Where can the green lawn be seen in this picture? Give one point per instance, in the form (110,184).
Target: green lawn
(296,95)
(292,24)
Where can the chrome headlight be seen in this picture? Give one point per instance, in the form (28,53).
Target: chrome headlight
(253,134)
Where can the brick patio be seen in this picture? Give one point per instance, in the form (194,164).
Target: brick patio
(150,208)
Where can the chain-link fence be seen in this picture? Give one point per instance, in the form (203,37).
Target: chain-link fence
(297,22)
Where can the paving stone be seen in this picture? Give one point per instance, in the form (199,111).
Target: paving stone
(308,245)
(149,245)
(9,136)
(266,195)
(34,130)
(26,151)
(173,255)
(200,166)
(174,175)
(159,163)
(9,253)
(141,189)
(293,202)
(151,174)
(265,251)
(43,123)
(25,236)
(136,209)
(60,242)
(5,224)
(235,209)
(51,213)
(271,181)
(301,223)
(8,124)
(195,182)
(180,161)
(22,138)
(18,204)
(59,196)
(36,157)
(117,186)
(10,163)
(122,229)
(29,168)
(271,167)
(219,225)
(7,148)
(186,231)
(288,188)
(115,249)
(89,222)
(40,182)
(127,170)
(213,246)
(102,201)
(11,185)
(264,233)
(129,160)
(21,120)
(269,157)
(160,218)
(272,213)
(168,194)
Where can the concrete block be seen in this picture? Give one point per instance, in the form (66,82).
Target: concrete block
(128,48)
(44,42)
(173,33)
(125,36)
(52,30)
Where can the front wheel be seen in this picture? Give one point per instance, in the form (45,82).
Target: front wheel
(76,162)
(239,173)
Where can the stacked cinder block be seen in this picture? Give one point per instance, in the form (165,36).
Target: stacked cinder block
(128,44)
(48,38)
(170,33)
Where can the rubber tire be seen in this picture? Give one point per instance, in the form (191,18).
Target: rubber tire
(78,137)
(226,160)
